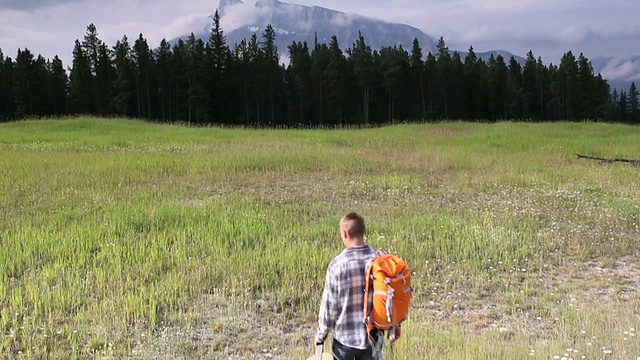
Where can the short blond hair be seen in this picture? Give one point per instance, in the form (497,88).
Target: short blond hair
(354,224)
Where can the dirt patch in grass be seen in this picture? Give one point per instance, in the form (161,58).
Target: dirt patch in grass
(220,328)
(587,285)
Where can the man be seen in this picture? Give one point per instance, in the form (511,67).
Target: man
(342,304)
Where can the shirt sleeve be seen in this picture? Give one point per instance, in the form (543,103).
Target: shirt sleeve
(329,306)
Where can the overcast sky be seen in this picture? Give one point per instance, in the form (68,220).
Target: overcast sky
(547,27)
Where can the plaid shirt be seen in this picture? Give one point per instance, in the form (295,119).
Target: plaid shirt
(343,298)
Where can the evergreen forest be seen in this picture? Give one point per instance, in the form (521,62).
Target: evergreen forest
(211,82)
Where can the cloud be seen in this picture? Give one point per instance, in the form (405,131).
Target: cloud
(154,33)
(622,69)
(17,31)
(298,14)
(185,25)
(342,19)
(10,45)
(241,14)
(52,31)
(31,4)
(547,27)
(511,7)
(574,33)
(305,25)
(479,34)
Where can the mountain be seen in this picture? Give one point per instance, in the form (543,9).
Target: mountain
(293,22)
(300,23)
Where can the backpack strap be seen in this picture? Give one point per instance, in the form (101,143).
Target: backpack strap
(389,303)
(377,345)
(367,295)
(368,302)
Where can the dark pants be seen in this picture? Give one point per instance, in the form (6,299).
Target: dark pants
(343,352)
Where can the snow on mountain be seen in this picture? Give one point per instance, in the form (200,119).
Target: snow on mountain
(300,23)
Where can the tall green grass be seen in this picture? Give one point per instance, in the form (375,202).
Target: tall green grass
(110,229)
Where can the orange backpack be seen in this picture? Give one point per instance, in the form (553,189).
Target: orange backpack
(387,292)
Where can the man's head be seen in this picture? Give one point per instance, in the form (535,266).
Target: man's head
(352,229)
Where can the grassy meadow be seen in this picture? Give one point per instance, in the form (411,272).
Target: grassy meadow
(122,239)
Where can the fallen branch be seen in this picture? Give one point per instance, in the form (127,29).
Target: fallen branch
(631,161)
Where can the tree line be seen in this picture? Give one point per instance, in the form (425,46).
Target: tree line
(209,82)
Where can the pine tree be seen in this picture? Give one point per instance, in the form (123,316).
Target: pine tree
(104,80)
(300,68)
(124,78)
(319,62)
(80,82)
(3,81)
(22,84)
(164,80)
(623,108)
(456,86)
(497,74)
(417,74)
(531,88)
(364,70)
(270,68)
(544,90)
(444,76)
(515,90)
(568,72)
(255,56)
(198,96)
(179,80)
(58,87)
(431,76)
(143,65)
(91,44)
(553,104)
(394,62)
(39,83)
(218,55)
(604,104)
(334,80)
(99,60)
(615,99)
(632,104)
(243,75)
(6,88)
(472,86)
(586,101)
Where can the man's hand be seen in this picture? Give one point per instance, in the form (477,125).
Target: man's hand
(319,350)
(394,334)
